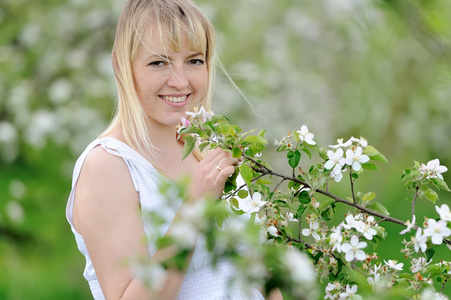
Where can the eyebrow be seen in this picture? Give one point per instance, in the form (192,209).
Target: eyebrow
(161,56)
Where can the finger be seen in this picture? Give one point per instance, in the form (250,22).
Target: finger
(212,155)
(224,174)
(227,161)
(219,157)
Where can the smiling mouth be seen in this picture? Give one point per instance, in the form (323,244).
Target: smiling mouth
(175,99)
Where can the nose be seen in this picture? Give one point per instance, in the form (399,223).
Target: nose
(178,77)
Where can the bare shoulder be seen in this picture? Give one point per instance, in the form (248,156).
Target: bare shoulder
(104,188)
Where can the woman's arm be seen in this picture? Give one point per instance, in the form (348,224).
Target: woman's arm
(107,215)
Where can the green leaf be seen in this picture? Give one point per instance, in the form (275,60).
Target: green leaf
(441,184)
(264,181)
(433,270)
(376,206)
(304,197)
(293,158)
(368,196)
(230,184)
(243,194)
(308,152)
(369,166)
(431,195)
(203,145)
(223,127)
(190,143)
(429,254)
(247,173)
(325,203)
(236,152)
(374,154)
(300,211)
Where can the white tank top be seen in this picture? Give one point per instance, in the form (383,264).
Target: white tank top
(202,281)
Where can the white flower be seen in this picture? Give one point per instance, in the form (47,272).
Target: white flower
(341,144)
(289,217)
(368,231)
(306,136)
(433,169)
(362,141)
(253,204)
(437,231)
(353,223)
(393,264)
(350,293)
(429,294)
(272,230)
(352,249)
(444,212)
(409,225)
(152,274)
(206,115)
(312,231)
(330,287)
(420,241)
(419,264)
(335,159)
(335,239)
(356,158)
(184,233)
(336,176)
(184,124)
(372,281)
(300,267)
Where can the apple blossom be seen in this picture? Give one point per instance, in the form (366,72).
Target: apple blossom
(368,231)
(419,241)
(312,230)
(393,264)
(362,141)
(253,204)
(356,158)
(272,230)
(444,212)
(433,169)
(350,293)
(419,264)
(341,144)
(336,160)
(409,225)
(352,249)
(306,136)
(352,222)
(437,231)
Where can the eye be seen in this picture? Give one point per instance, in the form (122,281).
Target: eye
(158,63)
(196,61)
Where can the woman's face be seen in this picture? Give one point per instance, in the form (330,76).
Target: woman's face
(168,83)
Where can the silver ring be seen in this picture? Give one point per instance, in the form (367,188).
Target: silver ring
(217,167)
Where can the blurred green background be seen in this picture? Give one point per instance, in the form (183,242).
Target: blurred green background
(380,69)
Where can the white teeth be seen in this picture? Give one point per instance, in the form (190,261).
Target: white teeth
(174,99)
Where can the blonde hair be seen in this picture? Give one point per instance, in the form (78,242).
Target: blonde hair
(173,19)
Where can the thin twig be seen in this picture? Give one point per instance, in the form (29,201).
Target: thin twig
(352,185)
(414,200)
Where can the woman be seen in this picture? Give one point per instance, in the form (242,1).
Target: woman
(162,58)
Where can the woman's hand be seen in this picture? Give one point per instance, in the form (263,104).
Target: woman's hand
(211,174)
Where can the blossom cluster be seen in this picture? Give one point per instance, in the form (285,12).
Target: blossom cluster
(349,153)
(433,169)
